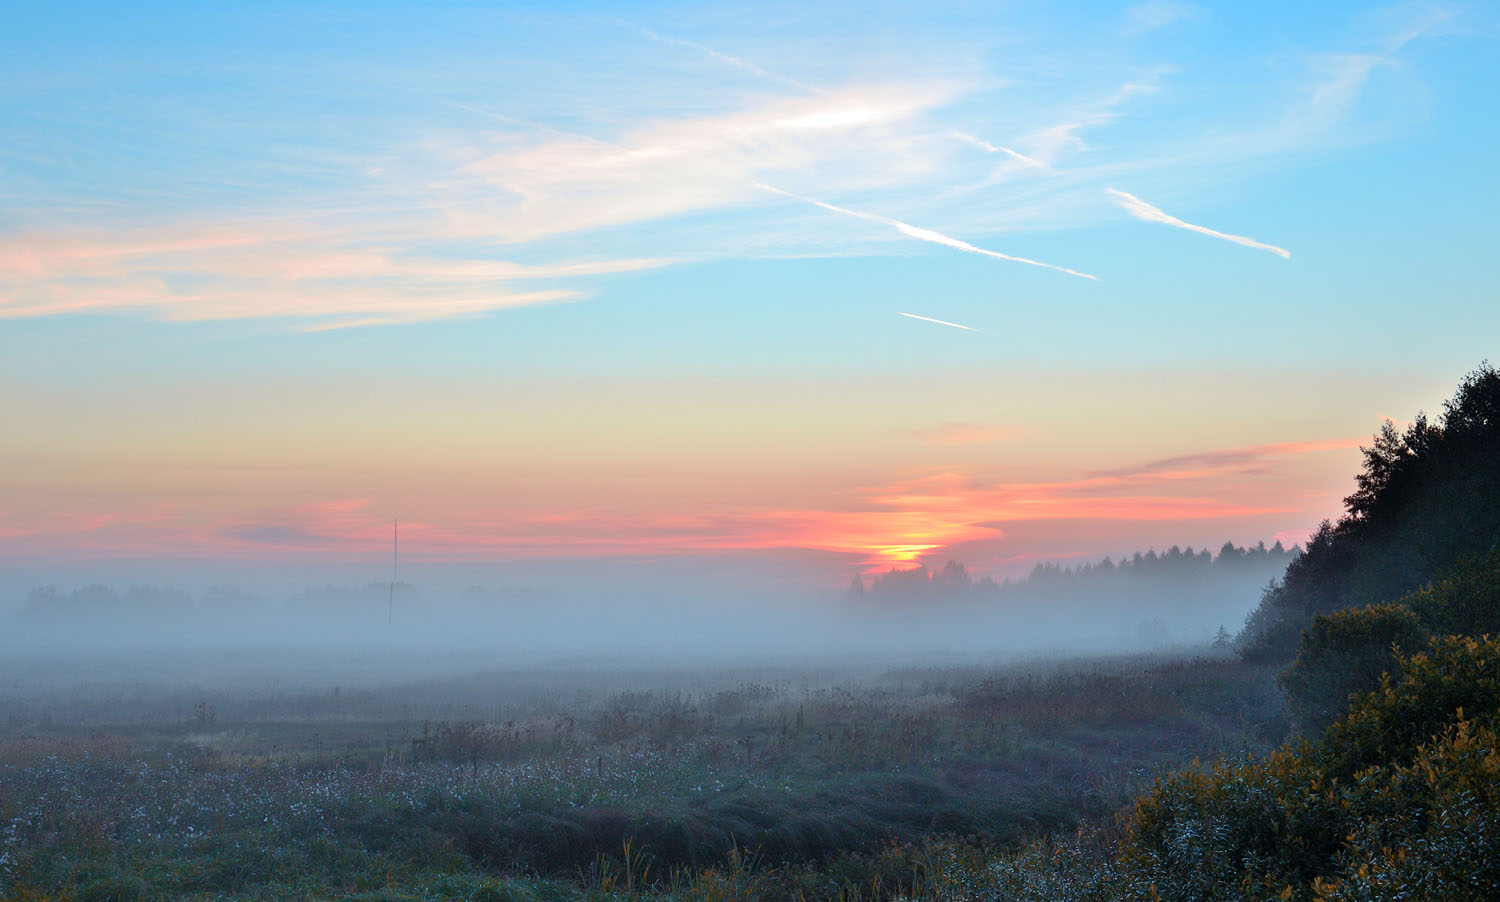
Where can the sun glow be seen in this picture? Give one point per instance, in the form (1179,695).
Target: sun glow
(888,555)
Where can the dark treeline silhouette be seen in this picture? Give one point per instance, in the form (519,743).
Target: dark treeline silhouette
(1426,500)
(1391,791)
(1178,585)
(1147,600)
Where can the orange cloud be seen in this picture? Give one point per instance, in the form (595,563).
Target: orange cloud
(882,525)
(345,523)
(248,271)
(1234,457)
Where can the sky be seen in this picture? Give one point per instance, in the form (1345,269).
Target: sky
(756,292)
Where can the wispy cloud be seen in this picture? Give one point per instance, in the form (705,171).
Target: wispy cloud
(1154,14)
(1144,211)
(736,62)
(423,244)
(927,235)
(667,168)
(348,522)
(248,272)
(940,322)
(893,520)
(1342,75)
(1402,23)
(1230,457)
(437,226)
(725,58)
(1048,139)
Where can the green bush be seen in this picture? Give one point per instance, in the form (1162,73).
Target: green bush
(1431,829)
(1235,830)
(1345,654)
(1466,602)
(1401,794)
(1386,728)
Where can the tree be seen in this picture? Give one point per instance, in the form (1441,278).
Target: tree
(1427,497)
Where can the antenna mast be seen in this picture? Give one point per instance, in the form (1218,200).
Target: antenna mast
(390,606)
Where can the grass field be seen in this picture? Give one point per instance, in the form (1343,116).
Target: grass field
(560,783)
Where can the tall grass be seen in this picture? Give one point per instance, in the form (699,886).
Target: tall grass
(691,788)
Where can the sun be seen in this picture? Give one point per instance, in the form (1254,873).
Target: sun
(885,556)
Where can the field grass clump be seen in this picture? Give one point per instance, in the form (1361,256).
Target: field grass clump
(1398,799)
(833,785)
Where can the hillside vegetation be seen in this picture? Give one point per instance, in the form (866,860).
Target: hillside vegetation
(1393,792)
(1428,498)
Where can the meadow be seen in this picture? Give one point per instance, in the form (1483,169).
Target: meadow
(846,780)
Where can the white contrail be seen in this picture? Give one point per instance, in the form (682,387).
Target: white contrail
(940,322)
(537,126)
(922,234)
(1142,210)
(728,60)
(987,147)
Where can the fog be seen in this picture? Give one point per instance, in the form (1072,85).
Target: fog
(388,633)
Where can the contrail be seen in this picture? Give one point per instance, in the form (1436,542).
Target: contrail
(728,60)
(940,322)
(922,234)
(988,147)
(1142,210)
(526,123)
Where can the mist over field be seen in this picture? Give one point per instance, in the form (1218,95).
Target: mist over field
(140,638)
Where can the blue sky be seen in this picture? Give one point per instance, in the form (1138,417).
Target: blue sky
(1184,226)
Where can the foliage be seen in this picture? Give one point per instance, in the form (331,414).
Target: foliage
(1347,653)
(798,788)
(1456,674)
(1433,832)
(1397,800)
(1425,500)
(1465,602)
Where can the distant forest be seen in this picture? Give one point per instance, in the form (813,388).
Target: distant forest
(145,604)
(1175,570)
(1161,583)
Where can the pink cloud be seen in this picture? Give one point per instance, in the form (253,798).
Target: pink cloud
(334,275)
(920,515)
(1208,461)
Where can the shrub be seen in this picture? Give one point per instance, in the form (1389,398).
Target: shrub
(1432,829)
(1401,794)
(1215,835)
(1466,602)
(1387,727)
(1345,654)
